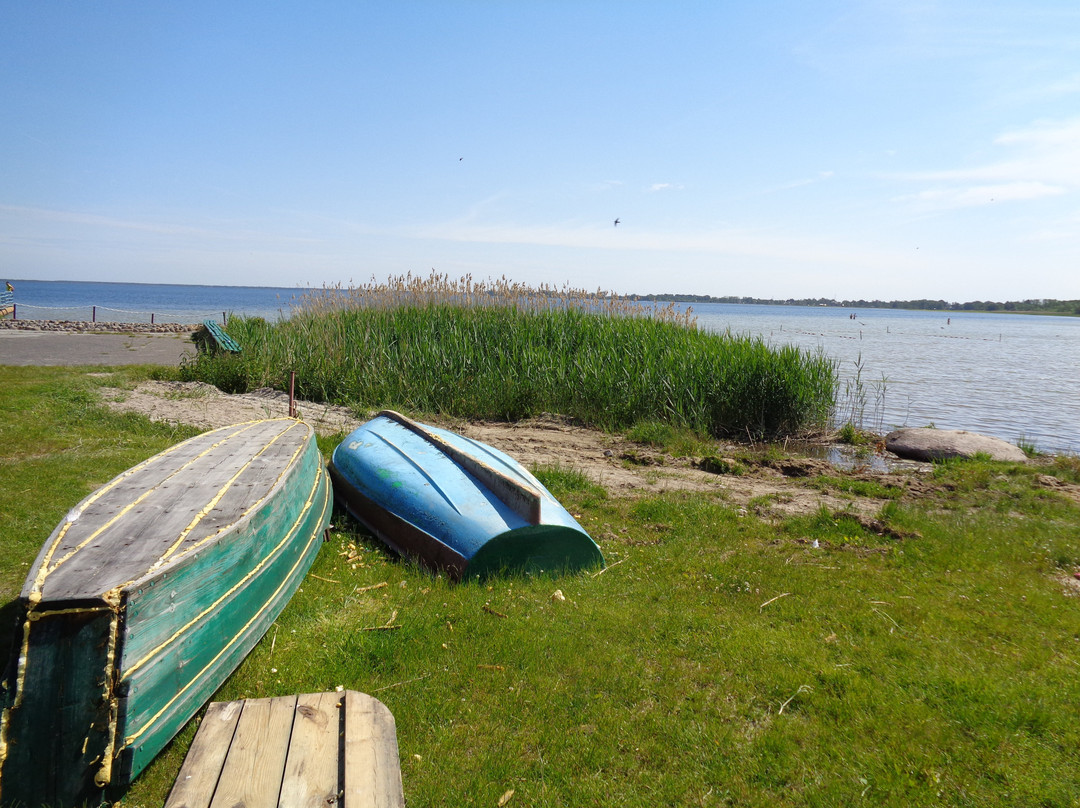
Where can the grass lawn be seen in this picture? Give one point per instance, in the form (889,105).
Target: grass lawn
(720,659)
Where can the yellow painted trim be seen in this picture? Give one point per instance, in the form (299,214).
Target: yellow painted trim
(36,614)
(252,573)
(221,493)
(3,737)
(129,740)
(104,774)
(20,668)
(45,570)
(24,651)
(4,719)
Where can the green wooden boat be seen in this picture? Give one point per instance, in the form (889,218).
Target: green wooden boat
(146,597)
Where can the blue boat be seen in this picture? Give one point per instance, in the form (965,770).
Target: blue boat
(453,503)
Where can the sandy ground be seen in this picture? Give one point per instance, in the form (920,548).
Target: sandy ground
(622,467)
(770,491)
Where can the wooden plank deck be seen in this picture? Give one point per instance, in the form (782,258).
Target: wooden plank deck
(325,750)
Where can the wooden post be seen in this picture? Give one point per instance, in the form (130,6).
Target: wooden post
(93,314)
(151,318)
(292,393)
(223,319)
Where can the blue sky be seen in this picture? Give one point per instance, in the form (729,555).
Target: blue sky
(843,149)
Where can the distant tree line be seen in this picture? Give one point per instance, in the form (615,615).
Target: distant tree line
(1041,306)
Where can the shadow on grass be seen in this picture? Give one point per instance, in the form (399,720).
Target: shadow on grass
(8,631)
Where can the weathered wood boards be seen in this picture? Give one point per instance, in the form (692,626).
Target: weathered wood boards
(454,503)
(310,751)
(146,597)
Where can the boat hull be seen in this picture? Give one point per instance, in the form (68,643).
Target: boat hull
(147,597)
(455,504)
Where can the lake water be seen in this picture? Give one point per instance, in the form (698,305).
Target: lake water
(138,302)
(1008,375)
(1012,376)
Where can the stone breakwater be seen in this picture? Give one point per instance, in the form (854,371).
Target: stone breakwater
(77,327)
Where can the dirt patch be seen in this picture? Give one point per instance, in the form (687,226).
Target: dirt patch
(1070,490)
(1070,583)
(204,406)
(622,467)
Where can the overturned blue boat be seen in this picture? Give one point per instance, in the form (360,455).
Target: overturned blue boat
(453,503)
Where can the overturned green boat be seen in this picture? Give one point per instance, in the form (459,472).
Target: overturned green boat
(146,597)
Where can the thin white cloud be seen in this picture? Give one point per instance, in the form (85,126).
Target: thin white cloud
(976,195)
(1067,85)
(43,224)
(801,183)
(1044,134)
(664,186)
(724,242)
(1037,161)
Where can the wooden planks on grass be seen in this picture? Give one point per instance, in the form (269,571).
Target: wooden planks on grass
(322,749)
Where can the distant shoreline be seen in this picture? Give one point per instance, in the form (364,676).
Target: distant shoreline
(1051,306)
(1047,306)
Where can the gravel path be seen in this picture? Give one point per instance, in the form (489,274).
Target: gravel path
(92,344)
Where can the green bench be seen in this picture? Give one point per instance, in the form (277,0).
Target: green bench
(215,339)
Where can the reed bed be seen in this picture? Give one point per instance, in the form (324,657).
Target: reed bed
(504,351)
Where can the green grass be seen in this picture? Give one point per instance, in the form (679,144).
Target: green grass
(1028,446)
(720,659)
(58,445)
(562,481)
(517,352)
(878,489)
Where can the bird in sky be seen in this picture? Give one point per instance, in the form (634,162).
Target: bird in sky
(616,223)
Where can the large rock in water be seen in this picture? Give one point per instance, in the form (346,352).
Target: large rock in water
(938,444)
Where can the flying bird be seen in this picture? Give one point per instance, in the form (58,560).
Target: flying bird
(616,223)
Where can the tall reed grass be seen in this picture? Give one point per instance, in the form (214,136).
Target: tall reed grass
(505,351)
(850,415)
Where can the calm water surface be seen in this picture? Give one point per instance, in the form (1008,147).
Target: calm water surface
(136,302)
(1013,376)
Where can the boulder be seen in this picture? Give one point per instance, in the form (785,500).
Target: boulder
(939,444)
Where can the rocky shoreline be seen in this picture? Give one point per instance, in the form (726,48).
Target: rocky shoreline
(83,327)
